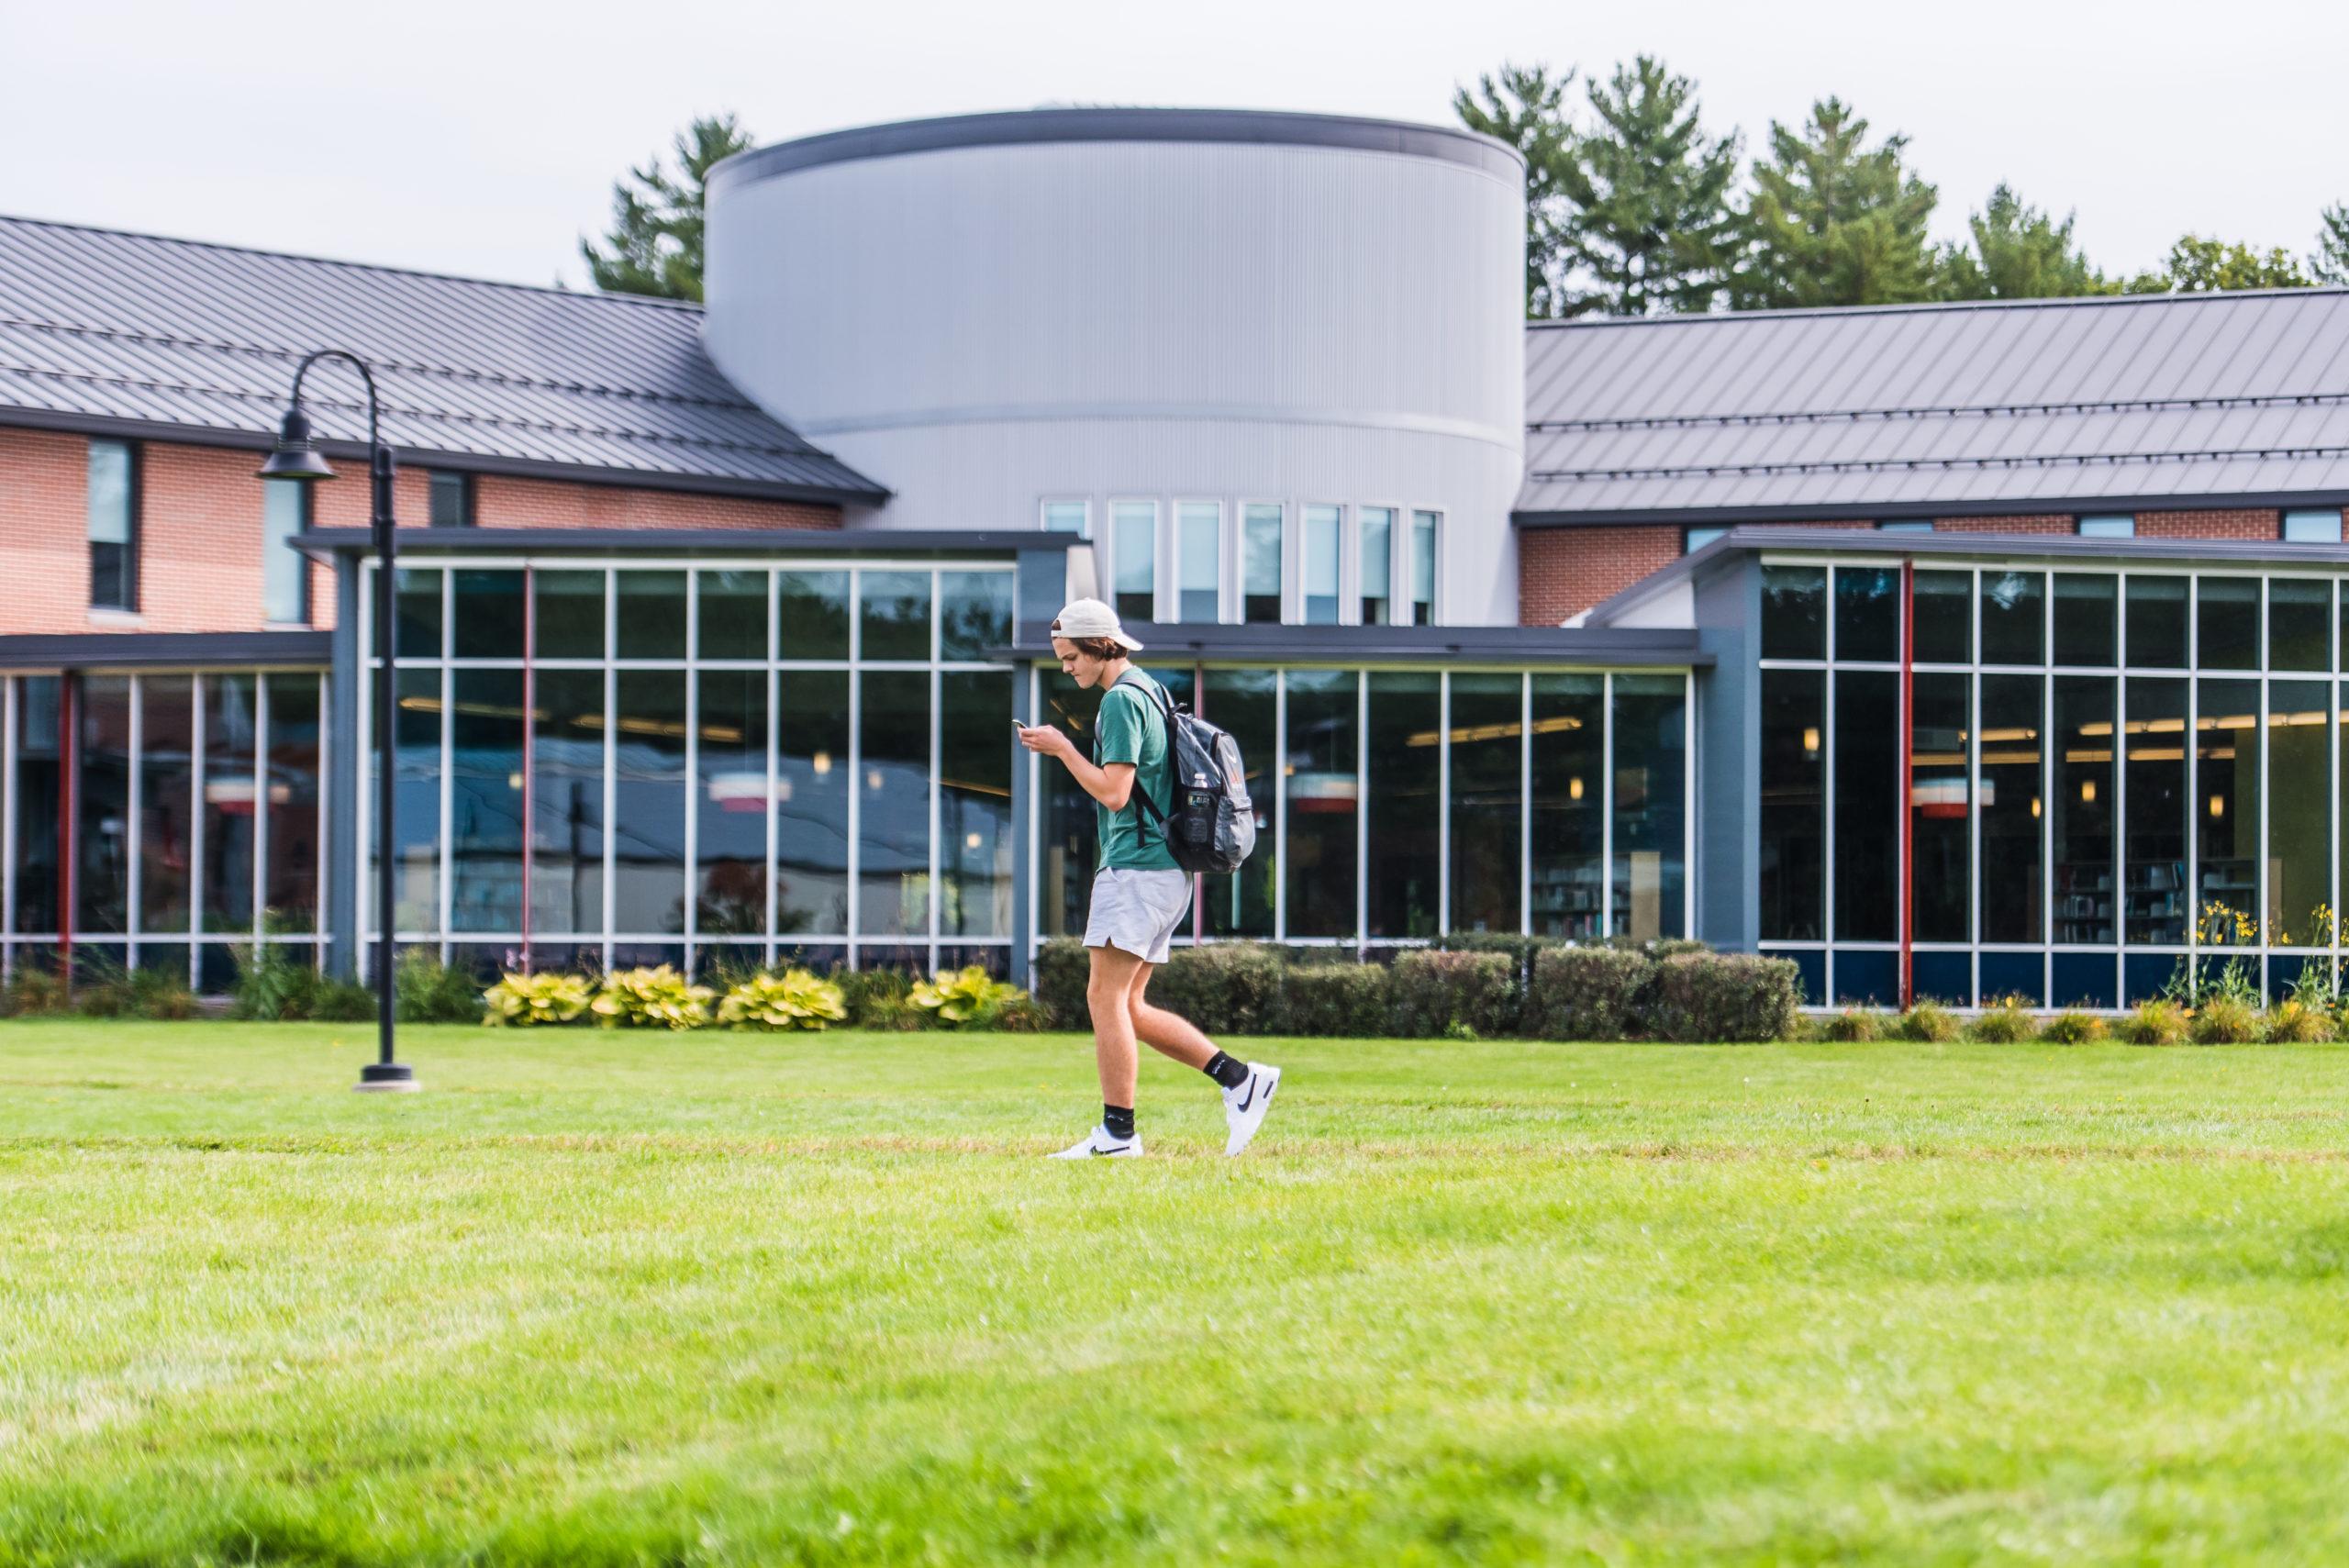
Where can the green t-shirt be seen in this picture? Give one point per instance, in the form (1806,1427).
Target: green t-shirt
(1132,729)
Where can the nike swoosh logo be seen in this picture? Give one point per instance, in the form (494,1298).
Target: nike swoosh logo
(1120,1149)
(1251,1098)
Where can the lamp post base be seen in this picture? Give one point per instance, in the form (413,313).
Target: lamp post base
(387,1077)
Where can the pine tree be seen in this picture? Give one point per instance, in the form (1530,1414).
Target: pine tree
(2019,252)
(1522,106)
(2330,263)
(2197,266)
(654,246)
(1833,222)
(1650,222)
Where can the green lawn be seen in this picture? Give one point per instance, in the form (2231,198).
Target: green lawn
(593,1299)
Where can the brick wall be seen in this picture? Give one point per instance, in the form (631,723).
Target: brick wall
(200,530)
(1564,572)
(2044,523)
(2253,523)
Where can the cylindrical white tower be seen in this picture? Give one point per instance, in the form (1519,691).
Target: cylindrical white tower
(998,313)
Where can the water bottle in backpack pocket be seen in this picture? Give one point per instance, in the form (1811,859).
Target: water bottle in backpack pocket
(1210,825)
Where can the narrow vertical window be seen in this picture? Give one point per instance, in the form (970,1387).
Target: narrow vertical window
(1423,525)
(1320,565)
(284,575)
(113,527)
(1197,561)
(452,500)
(1377,564)
(1133,544)
(1260,555)
(1068,517)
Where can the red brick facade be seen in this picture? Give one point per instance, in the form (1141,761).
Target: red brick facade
(2257,523)
(2044,523)
(200,530)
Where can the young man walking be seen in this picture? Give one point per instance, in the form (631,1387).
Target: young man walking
(1139,894)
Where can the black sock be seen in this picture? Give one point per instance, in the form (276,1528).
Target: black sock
(1118,1121)
(1228,1071)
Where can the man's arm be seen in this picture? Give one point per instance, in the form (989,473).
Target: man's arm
(1111,783)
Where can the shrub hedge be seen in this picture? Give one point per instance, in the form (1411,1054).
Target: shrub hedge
(1451,995)
(1348,999)
(1729,996)
(1592,992)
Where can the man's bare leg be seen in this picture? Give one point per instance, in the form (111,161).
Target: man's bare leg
(1107,989)
(1168,1033)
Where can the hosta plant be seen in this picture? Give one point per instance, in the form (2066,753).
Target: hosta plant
(792,1000)
(529,999)
(965,997)
(653,998)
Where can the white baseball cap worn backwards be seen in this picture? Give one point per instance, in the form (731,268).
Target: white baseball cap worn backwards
(1091,617)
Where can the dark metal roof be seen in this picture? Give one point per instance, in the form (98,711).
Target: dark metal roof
(1260,126)
(102,331)
(1265,644)
(164,650)
(2116,403)
(694,542)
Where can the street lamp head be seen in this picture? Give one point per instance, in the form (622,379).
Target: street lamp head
(296,456)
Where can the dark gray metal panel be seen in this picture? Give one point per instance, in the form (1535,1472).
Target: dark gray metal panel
(1668,647)
(327,543)
(195,337)
(156,649)
(1729,755)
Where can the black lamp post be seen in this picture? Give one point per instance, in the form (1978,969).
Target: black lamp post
(297,458)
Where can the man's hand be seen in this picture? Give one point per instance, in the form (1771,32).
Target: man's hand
(1049,738)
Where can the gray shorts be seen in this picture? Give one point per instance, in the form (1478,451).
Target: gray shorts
(1138,911)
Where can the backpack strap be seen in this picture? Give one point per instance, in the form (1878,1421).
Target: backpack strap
(1145,808)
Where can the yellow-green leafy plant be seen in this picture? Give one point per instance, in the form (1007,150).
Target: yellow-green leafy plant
(2225,1020)
(969,999)
(651,998)
(795,999)
(528,1000)
(2073,1026)
(2294,1022)
(2155,1022)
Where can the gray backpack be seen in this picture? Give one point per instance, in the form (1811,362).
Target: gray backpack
(1210,825)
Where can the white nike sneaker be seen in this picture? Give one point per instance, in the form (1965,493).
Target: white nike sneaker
(1244,1106)
(1099,1142)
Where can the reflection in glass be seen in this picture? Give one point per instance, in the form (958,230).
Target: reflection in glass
(38,792)
(2299,827)
(2226,806)
(2081,804)
(894,616)
(892,804)
(486,730)
(1377,563)
(1133,545)
(975,747)
(1486,736)
(167,818)
(2299,617)
(487,618)
(1320,565)
(2012,807)
(2226,623)
(415,615)
(231,801)
(1260,558)
(650,614)
(2157,621)
(1068,838)
(1941,808)
(2014,617)
(811,802)
(1323,781)
(1867,613)
(2087,617)
(732,615)
(567,803)
(416,781)
(1240,904)
(1649,731)
(290,801)
(731,801)
(1197,561)
(1792,867)
(1867,813)
(102,797)
(2157,907)
(811,618)
(648,824)
(1404,754)
(1944,618)
(1793,612)
(1569,763)
(974,614)
(567,610)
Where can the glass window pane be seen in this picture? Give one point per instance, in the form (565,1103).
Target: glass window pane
(567,804)
(415,616)
(486,731)
(1068,517)
(1324,790)
(1792,867)
(452,495)
(1320,565)
(1068,836)
(733,615)
(1260,547)
(2122,527)
(2156,622)
(167,819)
(1406,854)
(1793,612)
(2156,904)
(975,759)
(284,571)
(650,614)
(1133,545)
(2014,617)
(1941,808)
(1487,738)
(2299,825)
(1569,762)
(1694,539)
(102,796)
(1196,560)
(290,801)
(1944,618)
(1649,733)
(1240,904)
(2313,528)
(416,781)
(811,802)
(893,617)
(2299,618)
(2227,623)
(109,493)
(812,616)
(567,612)
(231,800)
(2087,617)
(892,804)
(648,824)
(2013,806)
(488,614)
(731,798)
(974,614)
(1868,814)
(36,801)
(2226,808)
(2082,806)
(1378,563)
(1423,527)
(1867,613)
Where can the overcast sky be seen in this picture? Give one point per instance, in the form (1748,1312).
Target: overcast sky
(482,138)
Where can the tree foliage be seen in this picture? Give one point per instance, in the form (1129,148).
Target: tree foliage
(2197,266)
(1525,107)
(654,245)
(1833,222)
(1649,220)
(2329,261)
(2019,252)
